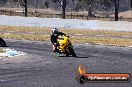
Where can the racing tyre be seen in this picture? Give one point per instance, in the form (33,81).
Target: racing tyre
(73,54)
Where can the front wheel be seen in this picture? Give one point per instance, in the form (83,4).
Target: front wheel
(74,54)
(70,51)
(67,55)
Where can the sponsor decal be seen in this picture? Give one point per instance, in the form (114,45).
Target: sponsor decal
(83,77)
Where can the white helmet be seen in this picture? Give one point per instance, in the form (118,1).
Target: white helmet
(54,30)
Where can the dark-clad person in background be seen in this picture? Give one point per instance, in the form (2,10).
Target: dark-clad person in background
(2,43)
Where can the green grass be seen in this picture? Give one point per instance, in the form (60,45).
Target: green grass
(77,36)
(67,31)
(26,37)
(105,41)
(24,29)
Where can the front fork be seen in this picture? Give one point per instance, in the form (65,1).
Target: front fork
(69,49)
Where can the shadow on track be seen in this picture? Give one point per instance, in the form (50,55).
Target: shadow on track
(64,56)
(75,57)
(82,57)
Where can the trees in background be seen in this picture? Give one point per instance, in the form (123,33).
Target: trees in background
(116,6)
(63,4)
(46,3)
(90,5)
(104,3)
(131,3)
(23,3)
(2,2)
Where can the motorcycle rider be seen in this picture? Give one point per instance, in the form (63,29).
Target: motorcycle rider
(54,37)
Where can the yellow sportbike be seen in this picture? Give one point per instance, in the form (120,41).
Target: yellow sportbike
(65,46)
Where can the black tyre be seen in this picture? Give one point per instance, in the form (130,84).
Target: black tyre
(70,51)
(67,55)
(74,54)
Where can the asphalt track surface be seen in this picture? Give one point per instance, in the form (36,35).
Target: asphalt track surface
(40,67)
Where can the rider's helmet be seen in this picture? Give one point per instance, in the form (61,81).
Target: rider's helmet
(54,30)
